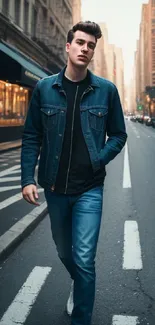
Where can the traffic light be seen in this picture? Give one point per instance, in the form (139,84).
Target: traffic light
(139,107)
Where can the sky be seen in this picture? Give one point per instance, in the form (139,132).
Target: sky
(122,18)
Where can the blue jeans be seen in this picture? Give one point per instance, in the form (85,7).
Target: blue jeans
(75,223)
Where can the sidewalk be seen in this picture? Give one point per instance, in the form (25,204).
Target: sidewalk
(17,218)
(7,146)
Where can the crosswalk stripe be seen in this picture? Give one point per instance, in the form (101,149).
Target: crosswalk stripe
(13,199)
(10,179)
(132,259)
(21,306)
(8,170)
(124,320)
(8,188)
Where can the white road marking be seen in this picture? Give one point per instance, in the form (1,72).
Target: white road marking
(126,171)
(124,320)
(4,164)
(10,179)
(8,188)
(21,306)
(17,160)
(2,160)
(15,172)
(132,259)
(8,170)
(13,199)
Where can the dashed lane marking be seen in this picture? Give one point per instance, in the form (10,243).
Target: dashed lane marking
(132,258)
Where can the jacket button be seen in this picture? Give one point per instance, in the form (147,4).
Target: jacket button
(56,157)
(52,188)
(100,114)
(60,135)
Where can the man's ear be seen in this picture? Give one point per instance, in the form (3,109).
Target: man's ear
(67,47)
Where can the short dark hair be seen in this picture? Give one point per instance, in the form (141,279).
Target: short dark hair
(88,27)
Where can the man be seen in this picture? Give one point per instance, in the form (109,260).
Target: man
(69,116)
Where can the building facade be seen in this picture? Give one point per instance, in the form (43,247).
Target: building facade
(32,46)
(76,11)
(145,61)
(108,62)
(119,72)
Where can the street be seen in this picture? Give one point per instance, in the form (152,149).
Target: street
(34,285)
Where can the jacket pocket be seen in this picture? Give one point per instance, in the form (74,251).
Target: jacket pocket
(49,117)
(97,118)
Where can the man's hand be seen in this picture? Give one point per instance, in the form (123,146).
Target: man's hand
(30,194)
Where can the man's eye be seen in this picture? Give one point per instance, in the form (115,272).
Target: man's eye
(91,46)
(79,42)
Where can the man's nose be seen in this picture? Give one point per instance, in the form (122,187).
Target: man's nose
(85,48)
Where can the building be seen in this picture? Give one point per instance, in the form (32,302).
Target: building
(145,61)
(100,67)
(108,62)
(76,11)
(119,72)
(32,46)
(99,60)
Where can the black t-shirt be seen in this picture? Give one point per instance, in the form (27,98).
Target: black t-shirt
(75,173)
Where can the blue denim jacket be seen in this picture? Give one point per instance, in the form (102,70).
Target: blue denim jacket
(101,116)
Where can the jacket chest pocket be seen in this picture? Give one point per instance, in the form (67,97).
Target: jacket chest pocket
(97,118)
(49,117)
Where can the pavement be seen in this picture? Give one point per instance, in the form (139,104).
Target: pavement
(34,285)
(17,218)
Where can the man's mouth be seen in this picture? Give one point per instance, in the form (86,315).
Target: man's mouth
(82,57)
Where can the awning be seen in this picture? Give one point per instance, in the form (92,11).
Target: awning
(16,67)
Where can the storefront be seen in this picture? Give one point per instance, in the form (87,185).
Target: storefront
(18,77)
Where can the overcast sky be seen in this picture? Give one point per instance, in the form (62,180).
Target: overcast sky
(122,18)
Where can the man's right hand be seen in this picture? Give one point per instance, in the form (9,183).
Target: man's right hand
(30,194)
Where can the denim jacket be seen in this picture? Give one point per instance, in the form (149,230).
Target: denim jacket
(102,125)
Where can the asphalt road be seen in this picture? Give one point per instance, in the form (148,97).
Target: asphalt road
(34,286)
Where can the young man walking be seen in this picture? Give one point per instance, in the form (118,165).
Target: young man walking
(68,119)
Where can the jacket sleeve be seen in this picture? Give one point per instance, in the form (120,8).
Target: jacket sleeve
(116,130)
(31,140)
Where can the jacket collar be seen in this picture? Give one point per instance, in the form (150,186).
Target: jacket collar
(59,77)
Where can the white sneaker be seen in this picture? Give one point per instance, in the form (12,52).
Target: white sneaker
(70,303)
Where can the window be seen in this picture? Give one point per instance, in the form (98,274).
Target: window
(26,16)
(13,103)
(5,7)
(17,12)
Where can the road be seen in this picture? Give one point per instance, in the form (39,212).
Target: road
(34,286)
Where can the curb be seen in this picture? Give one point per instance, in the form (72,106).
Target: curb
(21,229)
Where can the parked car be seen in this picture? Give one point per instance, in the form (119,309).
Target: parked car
(150,122)
(133,118)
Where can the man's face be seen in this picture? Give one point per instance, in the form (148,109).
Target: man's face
(81,49)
